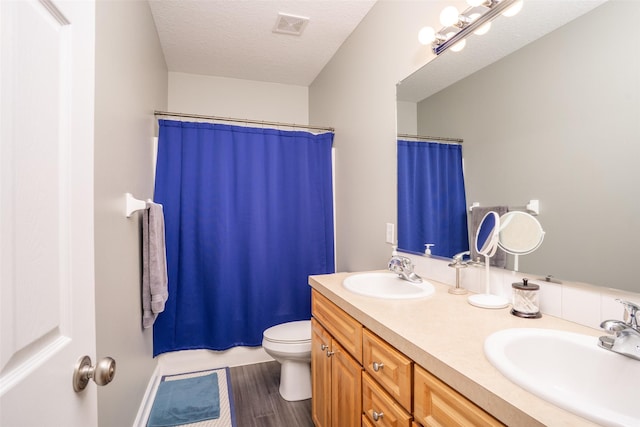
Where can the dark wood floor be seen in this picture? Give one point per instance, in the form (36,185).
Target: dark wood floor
(258,403)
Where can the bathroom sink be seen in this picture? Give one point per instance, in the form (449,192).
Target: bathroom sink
(386,285)
(571,371)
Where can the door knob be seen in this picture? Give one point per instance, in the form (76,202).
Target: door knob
(102,374)
(377,366)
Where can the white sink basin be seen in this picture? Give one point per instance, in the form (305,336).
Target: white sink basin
(386,285)
(571,371)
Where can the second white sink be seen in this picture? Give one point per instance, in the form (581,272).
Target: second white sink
(571,371)
(387,286)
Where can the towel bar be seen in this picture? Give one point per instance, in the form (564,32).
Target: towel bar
(533,207)
(132,204)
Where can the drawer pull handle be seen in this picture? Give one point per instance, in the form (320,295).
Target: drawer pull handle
(323,347)
(329,353)
(377,366)
(377,415)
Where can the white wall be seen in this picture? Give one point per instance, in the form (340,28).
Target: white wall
(407,117)
(131,82)
(243,99)
(356,94)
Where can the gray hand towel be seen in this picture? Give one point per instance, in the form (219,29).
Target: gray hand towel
(477,213)
(155,289)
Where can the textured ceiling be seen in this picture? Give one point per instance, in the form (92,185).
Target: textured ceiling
(235,38)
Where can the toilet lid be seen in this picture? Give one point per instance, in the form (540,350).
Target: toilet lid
(291,332)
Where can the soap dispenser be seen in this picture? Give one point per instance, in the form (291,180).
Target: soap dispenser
(525,300)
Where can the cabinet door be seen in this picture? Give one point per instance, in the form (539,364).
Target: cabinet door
(438,405)
(320,375)
(346,388)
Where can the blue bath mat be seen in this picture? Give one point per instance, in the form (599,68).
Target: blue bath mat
(186,401)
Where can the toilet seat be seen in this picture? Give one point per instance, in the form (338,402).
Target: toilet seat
(298,332)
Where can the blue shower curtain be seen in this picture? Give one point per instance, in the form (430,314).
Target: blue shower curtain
(431,198)
(248,216)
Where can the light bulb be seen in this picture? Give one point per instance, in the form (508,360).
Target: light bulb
(449,16)
(513,9)
(427,35)
(484,29)
(459,46)
(474,3)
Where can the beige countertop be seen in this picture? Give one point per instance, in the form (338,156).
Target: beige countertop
(444,334)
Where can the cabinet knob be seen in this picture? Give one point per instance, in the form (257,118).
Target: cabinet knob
(377,366)
(329,353)
(323,347)
(377,415)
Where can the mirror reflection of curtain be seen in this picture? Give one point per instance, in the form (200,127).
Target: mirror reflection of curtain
(248,217)
(431,198)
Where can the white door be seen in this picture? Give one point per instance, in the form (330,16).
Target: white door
(46,211)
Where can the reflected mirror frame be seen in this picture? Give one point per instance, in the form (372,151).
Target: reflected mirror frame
(505,221)
(487,234)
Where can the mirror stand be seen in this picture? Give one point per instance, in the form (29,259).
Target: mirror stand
(487,300)
(486,244)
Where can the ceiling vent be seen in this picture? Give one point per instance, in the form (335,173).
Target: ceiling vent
(290,24)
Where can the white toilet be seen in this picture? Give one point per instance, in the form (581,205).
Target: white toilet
(290,344)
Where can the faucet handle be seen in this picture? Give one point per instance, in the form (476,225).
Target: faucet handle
(458,257)
(407,264)
(630,313)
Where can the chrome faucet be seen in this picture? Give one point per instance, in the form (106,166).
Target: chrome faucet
(457,258)
(626,333)
(458,263)
(403,267)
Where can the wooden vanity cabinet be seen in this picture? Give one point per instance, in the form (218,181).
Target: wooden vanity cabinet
(435,404)
(401,393)
(336,375)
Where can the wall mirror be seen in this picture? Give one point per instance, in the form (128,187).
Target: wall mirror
(555,119)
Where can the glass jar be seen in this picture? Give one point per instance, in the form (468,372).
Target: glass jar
(525,300)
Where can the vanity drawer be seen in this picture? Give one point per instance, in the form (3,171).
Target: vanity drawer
(366,422)
(344,328)
(437,404)
(388,366)
(375,399)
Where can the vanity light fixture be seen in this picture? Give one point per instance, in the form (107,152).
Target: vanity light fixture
(456,26)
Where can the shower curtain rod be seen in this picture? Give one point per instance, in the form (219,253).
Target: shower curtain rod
(230,119)
(432,138)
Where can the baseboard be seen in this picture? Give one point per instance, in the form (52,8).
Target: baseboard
(147,401)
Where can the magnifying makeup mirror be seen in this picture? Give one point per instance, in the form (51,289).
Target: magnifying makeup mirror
(488,234)
(486,243)
(520,234)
